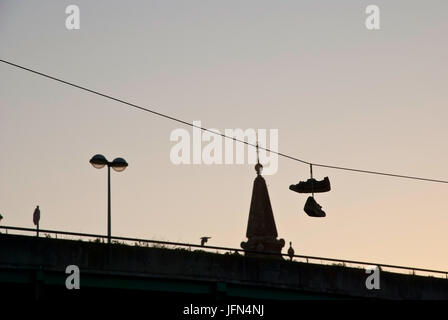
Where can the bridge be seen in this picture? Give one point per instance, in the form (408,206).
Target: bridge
(35,268)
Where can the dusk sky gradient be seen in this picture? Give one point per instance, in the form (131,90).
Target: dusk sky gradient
(337,93)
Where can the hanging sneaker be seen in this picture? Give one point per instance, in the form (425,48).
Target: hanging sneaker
(311,185)
(313,209)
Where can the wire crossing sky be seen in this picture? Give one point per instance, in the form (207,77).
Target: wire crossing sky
(172,118)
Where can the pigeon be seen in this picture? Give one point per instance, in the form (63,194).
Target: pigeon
(290,251)
(204,240)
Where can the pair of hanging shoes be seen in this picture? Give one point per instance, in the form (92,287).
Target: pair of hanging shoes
(313,209)
(311,186)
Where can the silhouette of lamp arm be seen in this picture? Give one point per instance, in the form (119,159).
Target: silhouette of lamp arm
(98,161)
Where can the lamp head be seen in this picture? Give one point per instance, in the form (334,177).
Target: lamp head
(119,164)
(98,161)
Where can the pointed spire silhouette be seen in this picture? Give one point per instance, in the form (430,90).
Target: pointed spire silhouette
(261,229)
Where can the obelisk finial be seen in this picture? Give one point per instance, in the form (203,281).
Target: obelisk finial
(258,166)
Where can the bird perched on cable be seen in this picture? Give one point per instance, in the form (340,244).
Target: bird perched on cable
(204,240)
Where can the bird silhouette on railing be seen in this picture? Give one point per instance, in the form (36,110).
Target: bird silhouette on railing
(290,251)
(204,240)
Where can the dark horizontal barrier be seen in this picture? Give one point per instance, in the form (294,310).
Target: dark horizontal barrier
(235,250)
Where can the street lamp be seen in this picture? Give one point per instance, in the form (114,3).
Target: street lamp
(119,164)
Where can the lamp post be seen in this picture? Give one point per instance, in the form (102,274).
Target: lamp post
(119,164)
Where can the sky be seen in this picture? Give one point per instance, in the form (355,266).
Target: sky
(336,92)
